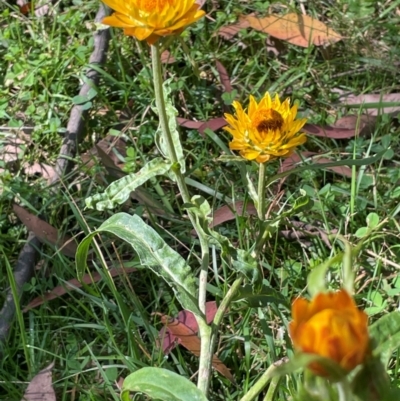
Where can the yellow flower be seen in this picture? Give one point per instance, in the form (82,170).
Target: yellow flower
(267,131)
(150,19)
(330,326)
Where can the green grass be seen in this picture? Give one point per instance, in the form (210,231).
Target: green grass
(104,331)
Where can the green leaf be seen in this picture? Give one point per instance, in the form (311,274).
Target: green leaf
(81,99)
(118,192)
(316,279)
(264,297)
(161,384)
(239,259)
(385,334)
(153,253)
(372,220)
(373,383)
(200,207)
(362,232)
(252,191)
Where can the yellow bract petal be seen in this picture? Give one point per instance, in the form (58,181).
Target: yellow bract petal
(268,129)
(151,19)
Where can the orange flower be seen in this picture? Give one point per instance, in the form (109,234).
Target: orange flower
(330,326)
(268,129)
(150,19)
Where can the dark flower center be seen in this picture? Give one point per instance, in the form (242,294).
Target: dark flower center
(268,119)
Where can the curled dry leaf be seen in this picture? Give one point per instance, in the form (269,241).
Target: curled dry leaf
(188,338)
(169,340)
(300,30)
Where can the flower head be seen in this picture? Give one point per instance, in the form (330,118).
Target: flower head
(150,19)
(330,326)
(267,131)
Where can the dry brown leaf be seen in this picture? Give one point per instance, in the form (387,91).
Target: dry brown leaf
(41,386)
(168,341)
(300,30)
(12,151)
(224,76)
(186,123)
(167,57)
(365,99)
(344,128)
(47,172)
(73,284)
(229,31)
(291,163)
(214,124)
(229,212)
(45,232)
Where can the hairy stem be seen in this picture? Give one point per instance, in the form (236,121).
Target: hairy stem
(204,330)
(259,384)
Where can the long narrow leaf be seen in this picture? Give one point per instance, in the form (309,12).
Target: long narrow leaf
(118,192)
(153,253)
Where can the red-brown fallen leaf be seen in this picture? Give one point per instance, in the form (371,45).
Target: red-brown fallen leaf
(329,132)
(229,212)
(45,232)
(186,123)
(73,284)
(224,76)
(344,128)
(371,98)
(290,163)
(41,386)
(229,31)
(25,8)
(300,30)
(188,338)
(213,124)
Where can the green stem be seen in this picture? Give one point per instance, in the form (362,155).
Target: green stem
(262,234)
(261,192)
(223,307)
(272,388)
(344,391)
(259,384)
(206,351)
